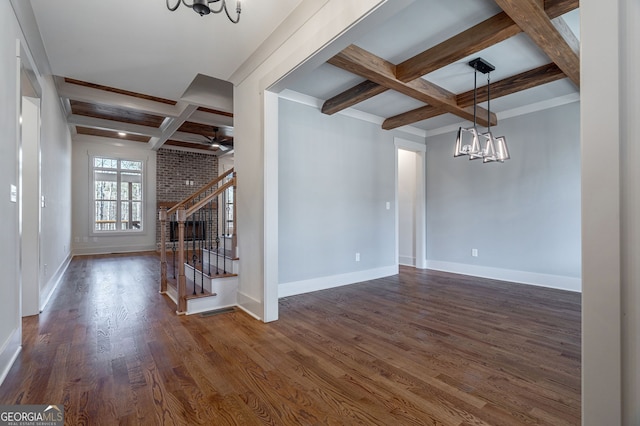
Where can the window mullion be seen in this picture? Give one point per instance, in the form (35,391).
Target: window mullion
(119,199)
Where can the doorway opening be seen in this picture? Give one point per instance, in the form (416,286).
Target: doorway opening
(411,235)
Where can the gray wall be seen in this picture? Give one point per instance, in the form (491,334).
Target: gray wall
(522,215)
(336,174)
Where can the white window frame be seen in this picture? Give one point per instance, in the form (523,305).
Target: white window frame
(92,209)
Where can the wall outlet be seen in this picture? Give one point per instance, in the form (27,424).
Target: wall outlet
(357,257)
(474,252)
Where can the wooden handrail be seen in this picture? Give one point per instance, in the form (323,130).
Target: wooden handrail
(181,214)
(231,182)
(200,191)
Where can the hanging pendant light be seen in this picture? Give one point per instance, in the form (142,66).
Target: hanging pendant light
(464,146)
(502,153)
(493,148)
(489,148)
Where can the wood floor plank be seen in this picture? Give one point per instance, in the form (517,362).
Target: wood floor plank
(418,348)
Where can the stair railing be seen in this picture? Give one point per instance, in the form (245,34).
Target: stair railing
(195,234)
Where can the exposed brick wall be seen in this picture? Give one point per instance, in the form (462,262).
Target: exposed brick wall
(174,168)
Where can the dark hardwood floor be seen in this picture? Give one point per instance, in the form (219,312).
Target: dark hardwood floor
(420,348)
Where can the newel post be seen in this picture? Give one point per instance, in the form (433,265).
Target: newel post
(163,249)
(234,237)
(182,279)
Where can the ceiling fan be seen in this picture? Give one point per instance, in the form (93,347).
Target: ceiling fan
(216,141)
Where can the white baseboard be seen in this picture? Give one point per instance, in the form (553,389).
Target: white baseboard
(323,283)
(113,249)
(407,260)
(51,286)
(9,353)
(250,305)
(560,282)
(198,306)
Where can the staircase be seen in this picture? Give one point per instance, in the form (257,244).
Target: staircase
(198,259)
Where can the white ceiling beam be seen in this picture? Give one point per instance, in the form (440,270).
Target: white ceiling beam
(118,126)
(171,125)
(92,95)
(188,137)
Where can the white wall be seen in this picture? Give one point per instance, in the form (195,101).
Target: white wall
(84,242)
(630,217)
(523,216)
(10,325)
(407,207)
(225,163)
(611,212)
(55,186)
(336,175)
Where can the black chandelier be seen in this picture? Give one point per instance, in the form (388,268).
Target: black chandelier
(495,148)
(201,7)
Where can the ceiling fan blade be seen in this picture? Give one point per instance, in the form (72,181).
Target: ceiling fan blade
(201,140)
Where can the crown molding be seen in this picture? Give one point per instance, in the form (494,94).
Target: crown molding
(348,112)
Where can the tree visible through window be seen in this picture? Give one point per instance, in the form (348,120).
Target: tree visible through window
(117,196)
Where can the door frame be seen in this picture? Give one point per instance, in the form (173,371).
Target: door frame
(29,90)
(420,204)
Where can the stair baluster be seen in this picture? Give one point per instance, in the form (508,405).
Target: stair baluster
(163,252)
(198,217)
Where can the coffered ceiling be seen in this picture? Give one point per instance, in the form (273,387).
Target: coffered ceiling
(160,76)
(413,70)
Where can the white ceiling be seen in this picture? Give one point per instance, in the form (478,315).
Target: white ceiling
(140,46)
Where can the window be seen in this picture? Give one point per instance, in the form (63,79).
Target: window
(117,195)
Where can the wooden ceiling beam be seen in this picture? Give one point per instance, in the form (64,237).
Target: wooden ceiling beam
(556,8)
(358,61)
(493,30)
(530,16)
(95,95)
(516,83)
(358,93)
(203,117)
(101,123)
(567,34)
(526,80)
(487,33)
